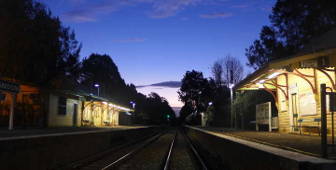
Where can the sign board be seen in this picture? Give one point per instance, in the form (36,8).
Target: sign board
(307,103)
(9,86)
(264,115)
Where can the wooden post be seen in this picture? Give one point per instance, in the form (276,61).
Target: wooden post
(324,152)
(269,116)
(11,116)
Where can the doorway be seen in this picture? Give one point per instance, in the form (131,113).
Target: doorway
(74,115)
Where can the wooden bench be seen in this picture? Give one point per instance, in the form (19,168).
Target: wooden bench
(312,120)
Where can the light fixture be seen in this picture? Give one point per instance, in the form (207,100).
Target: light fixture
(231,85)
(261,81)
(273,75)
(260,85)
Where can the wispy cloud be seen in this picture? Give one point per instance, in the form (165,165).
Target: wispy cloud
(164,8)
(129,40)
(89,11)
(216,15)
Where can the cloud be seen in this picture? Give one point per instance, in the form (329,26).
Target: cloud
(216,15)
(89,11)
(167,8)
(128,40)
(169,84)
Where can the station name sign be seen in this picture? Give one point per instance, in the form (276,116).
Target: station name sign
(9,86)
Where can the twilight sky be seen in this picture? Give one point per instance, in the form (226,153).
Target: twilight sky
(153,41)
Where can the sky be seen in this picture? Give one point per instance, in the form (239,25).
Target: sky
(153,41)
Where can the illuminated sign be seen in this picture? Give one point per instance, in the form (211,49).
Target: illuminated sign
(9,86)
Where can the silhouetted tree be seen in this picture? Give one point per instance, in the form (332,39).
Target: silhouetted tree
(227,70)
(293,24)
(100,69)
(195,91)
(34,46)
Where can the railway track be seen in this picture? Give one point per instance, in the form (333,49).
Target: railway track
(167,151)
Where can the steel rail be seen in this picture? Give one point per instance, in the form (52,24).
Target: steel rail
(167,162)
(196,154)
(118,161)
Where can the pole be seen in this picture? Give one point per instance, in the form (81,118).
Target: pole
(11,116)
(98,91)
(231,107)
(323,122)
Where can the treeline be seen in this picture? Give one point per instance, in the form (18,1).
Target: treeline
(294,23)
(36,48)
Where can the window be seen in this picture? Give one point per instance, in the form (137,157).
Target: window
(61,105)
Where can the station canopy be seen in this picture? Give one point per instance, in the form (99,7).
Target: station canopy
(319,54)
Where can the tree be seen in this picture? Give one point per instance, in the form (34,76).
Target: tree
(100,69)
(217,72)
(34,46)
(195,91)
(227,71)
(291,29)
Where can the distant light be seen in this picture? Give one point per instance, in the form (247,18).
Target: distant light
(168,116)
(210,103)
(96,85)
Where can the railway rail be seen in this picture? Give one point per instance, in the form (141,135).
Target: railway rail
(167,150)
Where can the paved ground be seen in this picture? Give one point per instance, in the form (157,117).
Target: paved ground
(4,133)
(310,145)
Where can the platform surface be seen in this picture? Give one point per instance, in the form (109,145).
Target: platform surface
(305,144)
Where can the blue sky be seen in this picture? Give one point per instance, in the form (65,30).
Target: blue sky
(159,40)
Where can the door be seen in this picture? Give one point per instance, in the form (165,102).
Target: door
(294,111)
(74,118)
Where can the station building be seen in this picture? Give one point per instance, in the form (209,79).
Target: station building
(294,83)
(26,105)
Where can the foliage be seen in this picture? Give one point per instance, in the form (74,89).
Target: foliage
(244,106)
(100,69)
(293,24)
(34,46)
(195,91)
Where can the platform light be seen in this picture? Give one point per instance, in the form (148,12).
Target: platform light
(97,86)
(273,75)
(261,82)
(104,103)
(260,85)
(231,86)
